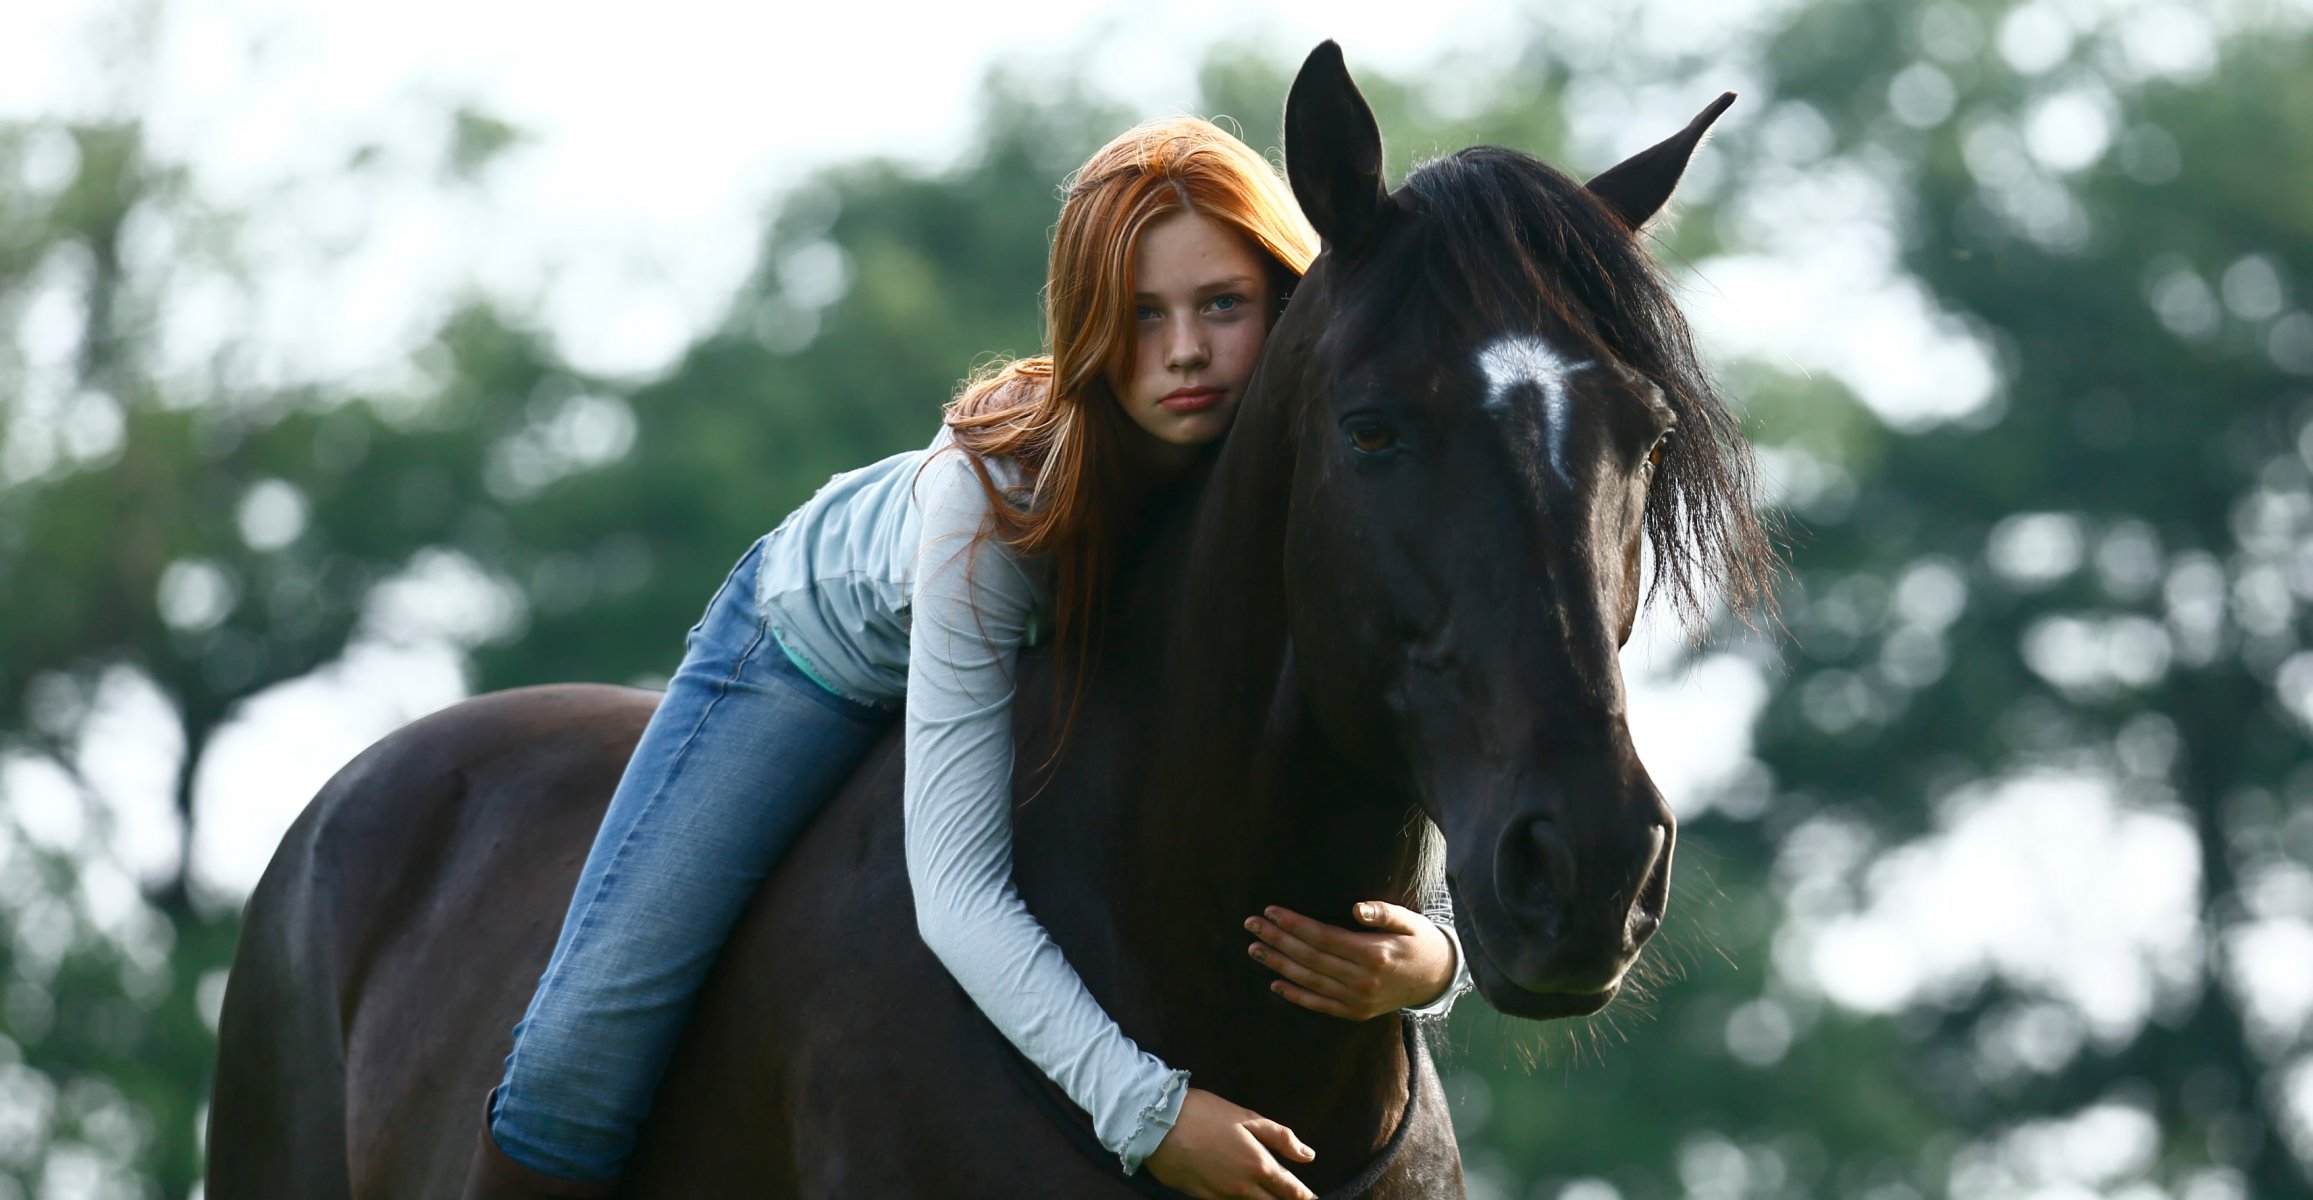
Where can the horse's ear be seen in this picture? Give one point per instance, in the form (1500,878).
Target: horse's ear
(1333,151)
(1637,187)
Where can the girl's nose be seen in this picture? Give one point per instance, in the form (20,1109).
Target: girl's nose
(1187,350)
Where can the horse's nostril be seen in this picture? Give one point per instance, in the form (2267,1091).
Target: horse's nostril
(1554,855)
(1654,889)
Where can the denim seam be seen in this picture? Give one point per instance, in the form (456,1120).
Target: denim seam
(610,871)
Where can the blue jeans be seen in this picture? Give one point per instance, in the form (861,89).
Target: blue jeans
(744,750)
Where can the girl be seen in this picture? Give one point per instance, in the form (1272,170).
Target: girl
(904,590)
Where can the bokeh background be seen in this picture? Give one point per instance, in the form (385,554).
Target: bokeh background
(357,358)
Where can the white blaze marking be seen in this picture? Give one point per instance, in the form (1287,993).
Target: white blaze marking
(1520,358)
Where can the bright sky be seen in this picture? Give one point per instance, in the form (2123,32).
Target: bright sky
(661,135)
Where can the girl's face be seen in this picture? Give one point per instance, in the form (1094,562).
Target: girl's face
(1203,302)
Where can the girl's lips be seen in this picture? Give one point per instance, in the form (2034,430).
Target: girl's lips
(1192,401)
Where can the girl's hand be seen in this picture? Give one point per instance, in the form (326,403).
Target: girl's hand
(1218,1151)
(1352,975)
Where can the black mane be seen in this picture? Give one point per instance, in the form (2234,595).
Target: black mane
(1489,240)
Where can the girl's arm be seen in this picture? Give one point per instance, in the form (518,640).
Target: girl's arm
(967,628)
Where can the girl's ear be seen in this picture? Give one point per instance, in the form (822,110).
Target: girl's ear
(1333,151)
(1637,187)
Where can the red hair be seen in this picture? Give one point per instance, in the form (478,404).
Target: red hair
(1057,414)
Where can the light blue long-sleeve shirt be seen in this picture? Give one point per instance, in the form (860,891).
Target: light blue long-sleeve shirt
(874,589)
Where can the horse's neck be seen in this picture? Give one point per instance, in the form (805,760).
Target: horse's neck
(1241,805)
(1247,807)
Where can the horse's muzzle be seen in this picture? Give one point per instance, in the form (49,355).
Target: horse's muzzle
(1564,903)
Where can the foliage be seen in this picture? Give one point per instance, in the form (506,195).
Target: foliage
(2129,530)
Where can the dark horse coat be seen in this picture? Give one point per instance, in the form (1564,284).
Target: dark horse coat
(1393,597)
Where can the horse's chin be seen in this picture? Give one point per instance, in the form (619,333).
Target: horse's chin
(1512,1000)
(1578,996)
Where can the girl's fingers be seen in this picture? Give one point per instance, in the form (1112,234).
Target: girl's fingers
(1302,951)
(1275,960)
(1278,1138)
(1332,939)
(1391,918)
(1275,1138)
(1315,1002)
(1281,1185)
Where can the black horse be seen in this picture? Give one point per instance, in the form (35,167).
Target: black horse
(1394,597)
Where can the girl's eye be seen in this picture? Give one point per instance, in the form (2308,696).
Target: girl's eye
(1373,439)
(1225,303)
(1145,313)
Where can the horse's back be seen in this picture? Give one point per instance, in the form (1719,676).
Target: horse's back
(396,937)
(832,1055)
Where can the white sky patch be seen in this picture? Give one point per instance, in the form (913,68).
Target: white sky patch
(1691,712)
(1691,724)
(407,659)
(1820,287)
(657,145)
(2106,1149)
(2270,964)
(1515,360)
(2268,954)
(2296,1086)
(129,753)
(262,770)
(2047,880)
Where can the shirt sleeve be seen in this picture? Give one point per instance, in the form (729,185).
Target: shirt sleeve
(969,620)
(1439,908)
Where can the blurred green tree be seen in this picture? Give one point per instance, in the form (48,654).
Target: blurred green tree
(184,533)
(2104,575)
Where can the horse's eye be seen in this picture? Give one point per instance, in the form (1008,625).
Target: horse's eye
(1373,439)
(1654,457)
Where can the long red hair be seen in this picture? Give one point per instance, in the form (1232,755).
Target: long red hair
(1057,415)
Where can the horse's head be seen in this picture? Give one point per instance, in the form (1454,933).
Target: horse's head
(1497,406)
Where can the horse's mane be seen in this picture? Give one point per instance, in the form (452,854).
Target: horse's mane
(1493,240)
